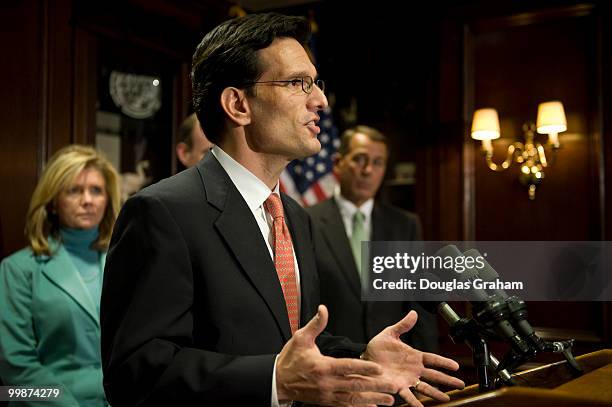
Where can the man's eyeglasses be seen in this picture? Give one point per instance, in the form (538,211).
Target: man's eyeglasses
(306,82)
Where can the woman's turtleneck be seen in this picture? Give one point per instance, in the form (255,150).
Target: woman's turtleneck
(86,260)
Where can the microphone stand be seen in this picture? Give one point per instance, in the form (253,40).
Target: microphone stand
(468,331)
(498,307)
(518,310)
(565,347)
(488,314)
(465,330)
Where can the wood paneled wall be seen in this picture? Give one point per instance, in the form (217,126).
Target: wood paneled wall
(49,74)
(512,57)
(514,63)
(35,109)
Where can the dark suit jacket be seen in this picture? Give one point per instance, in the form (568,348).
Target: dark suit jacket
(340,285)
(192,310)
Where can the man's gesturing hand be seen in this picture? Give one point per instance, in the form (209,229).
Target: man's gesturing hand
(304,374)
(408,368)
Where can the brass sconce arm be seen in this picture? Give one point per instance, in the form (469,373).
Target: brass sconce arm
(542,155)
(513,148)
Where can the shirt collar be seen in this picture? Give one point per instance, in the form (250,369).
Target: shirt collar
(253,190)
(348,209)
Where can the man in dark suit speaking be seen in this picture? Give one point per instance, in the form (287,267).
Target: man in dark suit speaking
(349,217)
(211,294)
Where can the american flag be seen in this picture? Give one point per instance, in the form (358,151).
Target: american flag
(311,180)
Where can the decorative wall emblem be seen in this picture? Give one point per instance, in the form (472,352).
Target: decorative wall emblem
(137,96)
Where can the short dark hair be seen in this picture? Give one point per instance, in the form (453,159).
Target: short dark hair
(185,130)
(371,132)
(227,56)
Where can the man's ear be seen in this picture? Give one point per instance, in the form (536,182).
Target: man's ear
(236,106)
(182,152)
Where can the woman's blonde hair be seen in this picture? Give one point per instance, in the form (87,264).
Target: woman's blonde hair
(60,172)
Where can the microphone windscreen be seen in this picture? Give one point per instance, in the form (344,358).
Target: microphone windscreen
(449,250)
(486,273)
(430,306)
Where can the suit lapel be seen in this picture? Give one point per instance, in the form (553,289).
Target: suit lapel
(61,271)
(378,224)
(334,233)
(379,233)
(102,262)
(240,231)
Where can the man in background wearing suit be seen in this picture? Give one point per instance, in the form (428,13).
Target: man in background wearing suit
(211,294)
(192,142)
(349,217)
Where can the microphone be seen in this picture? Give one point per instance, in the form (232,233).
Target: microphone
(487,272)
(467,330)
(466,276)
(464,329)
(518,312)
(516,306)
(490,311)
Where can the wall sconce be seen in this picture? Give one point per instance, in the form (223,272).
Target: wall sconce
(530,155)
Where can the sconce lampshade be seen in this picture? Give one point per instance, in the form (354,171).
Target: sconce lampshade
(551,118)
(485,124)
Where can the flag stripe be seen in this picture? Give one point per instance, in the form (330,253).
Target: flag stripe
(318,191)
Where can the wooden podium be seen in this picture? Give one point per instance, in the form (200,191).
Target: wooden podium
(550,385)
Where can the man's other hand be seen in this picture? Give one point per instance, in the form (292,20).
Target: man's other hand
(304,374)
(410,370)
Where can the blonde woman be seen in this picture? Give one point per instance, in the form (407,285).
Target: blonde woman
(50,291)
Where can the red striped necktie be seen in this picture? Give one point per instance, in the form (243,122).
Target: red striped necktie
(283,259)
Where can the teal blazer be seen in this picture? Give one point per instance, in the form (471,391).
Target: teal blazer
(50,327)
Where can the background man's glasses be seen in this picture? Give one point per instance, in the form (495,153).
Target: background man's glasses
(306,82)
